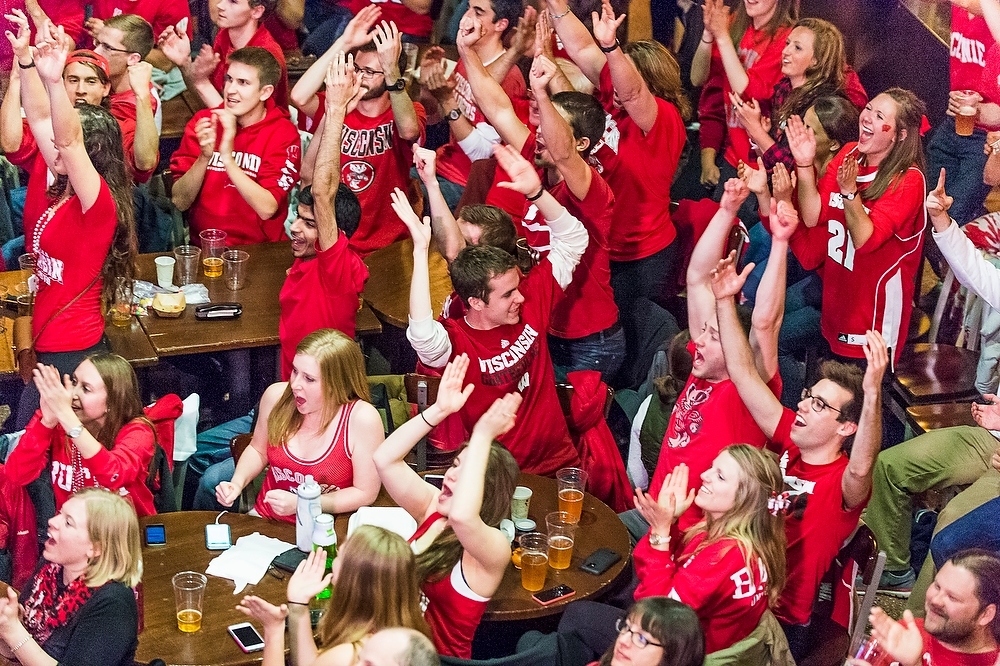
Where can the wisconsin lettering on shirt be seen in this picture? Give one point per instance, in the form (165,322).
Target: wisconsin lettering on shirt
(968,50)
(367,142)
(48,269)
(248,162)
(281,474)
(612,135)
(465,98)
(511,363)
(62,477)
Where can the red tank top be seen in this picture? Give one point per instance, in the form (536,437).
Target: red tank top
(453,610)
(332,470)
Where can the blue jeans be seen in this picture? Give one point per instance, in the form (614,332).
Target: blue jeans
(603,351)
(976,529)
(325,22)
(635,524)
(964,159)
(204,497)
(452,192)
(212,448)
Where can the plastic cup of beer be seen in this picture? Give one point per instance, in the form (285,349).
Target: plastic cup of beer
(965,119)
(165,271)
(519,503)
(213,244)
(235,268)
(121,306)
(572,484)
(187,258)
(534,560)
(562,534)
(189,593)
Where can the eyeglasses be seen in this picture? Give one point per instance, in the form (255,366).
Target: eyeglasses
(818,404)
(108,47)
(367,71)
(638,640)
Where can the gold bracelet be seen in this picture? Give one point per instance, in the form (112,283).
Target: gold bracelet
(556,17)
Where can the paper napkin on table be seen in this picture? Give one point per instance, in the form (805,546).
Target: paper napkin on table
(246,562)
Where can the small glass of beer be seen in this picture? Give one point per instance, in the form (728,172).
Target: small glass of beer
(965,119)
(534,560)
(572,484)
(562,533)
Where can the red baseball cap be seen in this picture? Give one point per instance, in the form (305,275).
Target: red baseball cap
(88,57)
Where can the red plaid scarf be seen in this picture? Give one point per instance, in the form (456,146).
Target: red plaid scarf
(46,608)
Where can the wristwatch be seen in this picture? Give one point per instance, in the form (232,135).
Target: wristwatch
(398,86)
(658,540)
(453,115)
(75,432)
(850,197)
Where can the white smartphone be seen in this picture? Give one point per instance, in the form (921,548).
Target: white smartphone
(246,637)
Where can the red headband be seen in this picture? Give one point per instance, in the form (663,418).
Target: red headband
(89,57)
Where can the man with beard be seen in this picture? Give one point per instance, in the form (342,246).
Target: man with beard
(961,624)
(380,128)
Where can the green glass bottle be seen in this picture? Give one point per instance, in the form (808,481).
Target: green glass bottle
(325,536)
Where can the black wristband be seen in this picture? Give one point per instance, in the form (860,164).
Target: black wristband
(28,66)
(609,49)
(541,191)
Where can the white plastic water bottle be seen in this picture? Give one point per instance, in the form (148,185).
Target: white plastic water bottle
(306,510)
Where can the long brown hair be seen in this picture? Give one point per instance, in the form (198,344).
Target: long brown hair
(907,152)
(749,522)
(342,374)
(123,401)
(826,77)
(446,550)
(785,14)
(659,69)
(377,588)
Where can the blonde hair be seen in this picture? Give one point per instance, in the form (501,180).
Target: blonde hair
(660,71)
(749,522)
(114,531)
(342,375)
(377,588)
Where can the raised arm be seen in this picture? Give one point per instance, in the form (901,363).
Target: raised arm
(199,74)
(765,408)
(486,548)
(426,335)
(404,485)
(342,86)
(388,45)
(701,63)
(769,309)
(856,483)
(717,25)
(146,142)
(802,143)
(632,91)
(493,101)
(577,40)
(444,227)
(559,139)
(34,99)
(11,127)
(303,95)
(706,254)
(67,134)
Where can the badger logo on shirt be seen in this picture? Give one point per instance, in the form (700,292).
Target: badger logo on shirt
(357,175)
(687,417)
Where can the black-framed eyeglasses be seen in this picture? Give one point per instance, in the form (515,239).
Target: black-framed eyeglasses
(638,640)
(367,71)
(818,404)
(108,47)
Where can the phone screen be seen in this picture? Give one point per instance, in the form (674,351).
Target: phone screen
(156,535)
(247,636)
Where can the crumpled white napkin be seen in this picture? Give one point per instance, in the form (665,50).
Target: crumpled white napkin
(246,562)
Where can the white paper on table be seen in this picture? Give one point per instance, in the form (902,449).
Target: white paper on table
(247,561)
(392,518)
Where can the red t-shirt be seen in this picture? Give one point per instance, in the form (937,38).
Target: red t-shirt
(123,110)
(123,469)
(936,654)
(268,151)
(407,20)
(707,417)
(970,41)
(287,38)
(870,288)
(375,160)
(319,293)
(452,162)
(640,168)
(70,250)
(332,469)
(816,525)
(589,306)
(761,58)
(515,357)
(262,38)
(157,13)
(728,596)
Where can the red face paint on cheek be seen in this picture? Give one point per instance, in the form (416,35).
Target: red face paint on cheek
(886,128)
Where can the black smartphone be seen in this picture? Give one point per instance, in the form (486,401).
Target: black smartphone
(436,480)
(600,561)
(246,637)
(156,535)
(553,594)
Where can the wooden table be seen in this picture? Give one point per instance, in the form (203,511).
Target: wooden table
(388,288)
(185,551)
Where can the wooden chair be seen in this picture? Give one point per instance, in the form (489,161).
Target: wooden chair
(237,445)
(924,418)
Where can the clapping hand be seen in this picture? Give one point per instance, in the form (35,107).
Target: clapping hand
(748,111)
(733,196)
(847,174)
(175,45)
(902,640)
(726,282)
(55,394)
(452,390)
(523,177)
(542,71)
(266,613)
(499,418)
(419,230)
(205,64)
(342,83)
(755,179)
(801,141)
(783,183)
(673,501)
(524,39)
(204,132)
(357,31)
(309,578)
